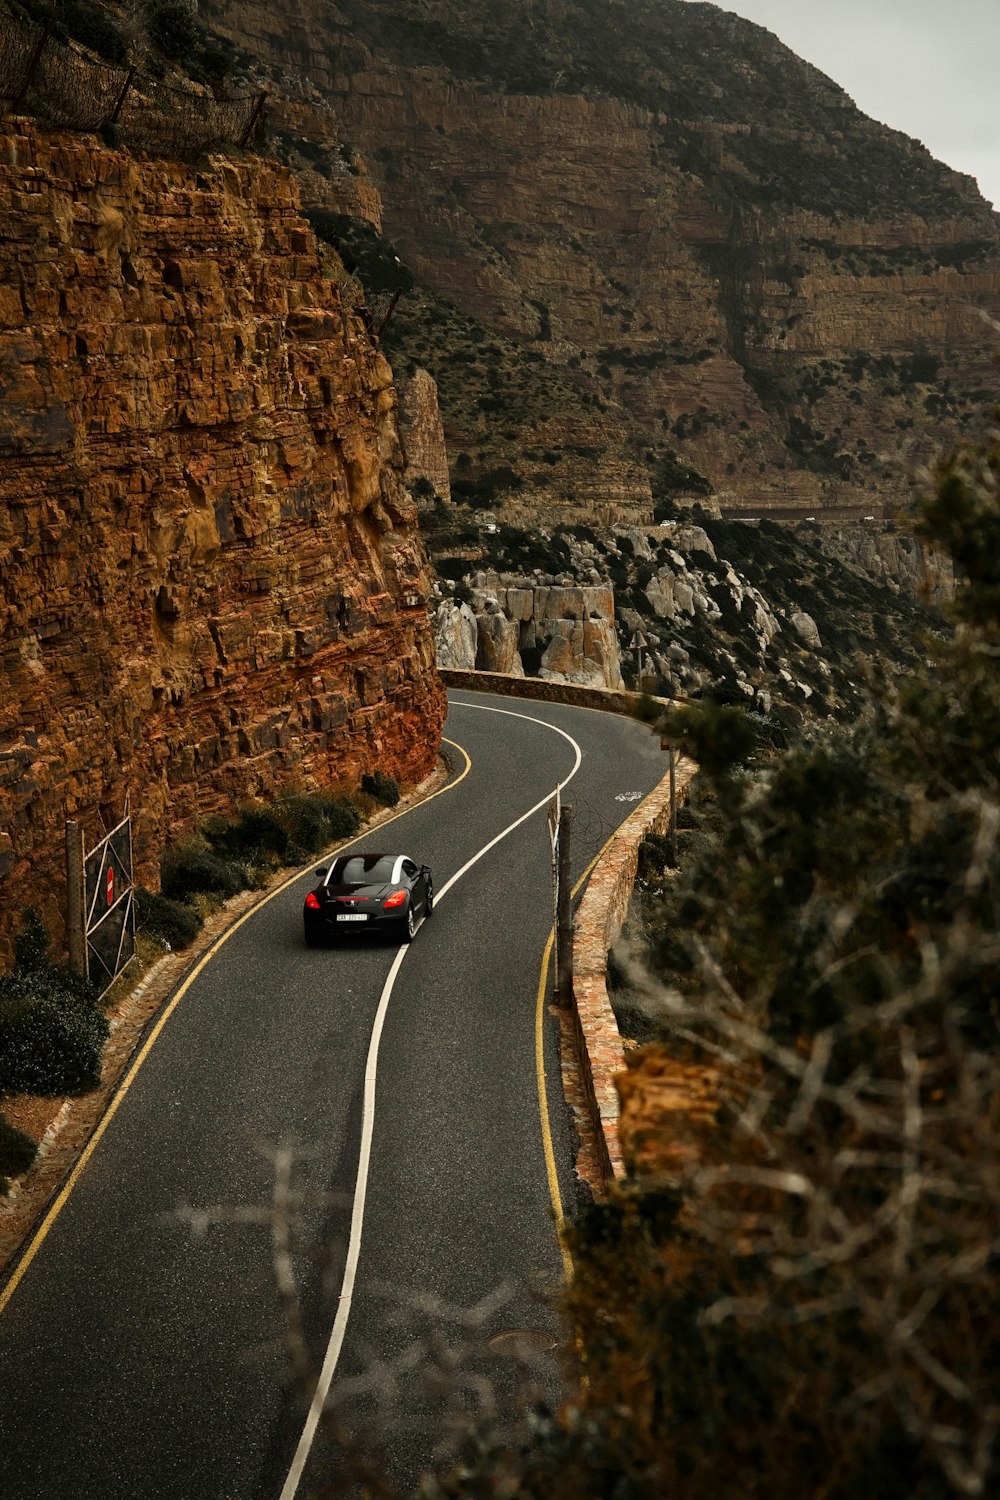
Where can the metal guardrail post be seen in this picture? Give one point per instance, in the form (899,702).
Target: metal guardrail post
(75,900)
(673,805)
(113,117)
(564,923)
(255,117)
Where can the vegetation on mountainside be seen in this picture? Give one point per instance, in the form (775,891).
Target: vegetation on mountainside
(514,421)
(704,73)
(812,1305)
(157,32)
(365,254)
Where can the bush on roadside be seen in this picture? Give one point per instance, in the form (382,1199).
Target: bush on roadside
(233,855)
(52,1030)
(383,788)
(187,871)
(314,822)
(172,923)
(253,838)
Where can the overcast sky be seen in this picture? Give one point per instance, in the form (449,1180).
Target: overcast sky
(930,68)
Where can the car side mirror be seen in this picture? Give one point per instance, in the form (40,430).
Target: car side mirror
(320,873)
(425,869)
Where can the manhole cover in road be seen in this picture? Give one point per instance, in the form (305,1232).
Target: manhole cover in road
(523,1343)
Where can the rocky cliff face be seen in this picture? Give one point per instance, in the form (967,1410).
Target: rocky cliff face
(211,580)
(700,233)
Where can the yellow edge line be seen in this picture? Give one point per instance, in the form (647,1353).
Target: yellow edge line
(40,1234)
(543,1104)
(543,1110)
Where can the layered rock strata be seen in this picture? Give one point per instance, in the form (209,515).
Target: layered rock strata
(692,219)
(212,586)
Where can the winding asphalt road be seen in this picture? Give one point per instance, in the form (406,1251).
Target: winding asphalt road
(143,1351)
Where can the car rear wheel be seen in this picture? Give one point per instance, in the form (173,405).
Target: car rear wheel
(408,926)
(430,901)
(313,940)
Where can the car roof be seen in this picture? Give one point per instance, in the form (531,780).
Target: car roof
(368,862)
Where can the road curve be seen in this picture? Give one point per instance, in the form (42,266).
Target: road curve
(143,1353)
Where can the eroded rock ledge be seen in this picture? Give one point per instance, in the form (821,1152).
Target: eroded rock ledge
(211,580)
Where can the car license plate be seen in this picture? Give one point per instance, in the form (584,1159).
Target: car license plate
(352,916)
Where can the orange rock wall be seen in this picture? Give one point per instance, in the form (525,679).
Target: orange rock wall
(212,586)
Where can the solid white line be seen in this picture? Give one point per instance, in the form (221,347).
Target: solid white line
(339,1329)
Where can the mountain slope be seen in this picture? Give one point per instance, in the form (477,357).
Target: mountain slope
(679,215)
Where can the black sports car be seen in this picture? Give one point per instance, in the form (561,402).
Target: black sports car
(385,893)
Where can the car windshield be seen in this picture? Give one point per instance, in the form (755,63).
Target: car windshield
(362,869)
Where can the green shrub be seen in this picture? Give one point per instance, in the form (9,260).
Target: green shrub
(31,945)
(173,27)
(383,788)
(365,254)
(17,1152)
(52,1032)
(171,922)
(255,833)
(315,822)
(188,871)
(95,29)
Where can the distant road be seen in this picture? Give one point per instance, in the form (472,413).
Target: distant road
(858,513)
(143,1352)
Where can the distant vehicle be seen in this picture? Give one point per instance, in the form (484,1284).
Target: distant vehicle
(383,893)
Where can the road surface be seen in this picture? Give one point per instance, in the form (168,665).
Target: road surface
(144,1351)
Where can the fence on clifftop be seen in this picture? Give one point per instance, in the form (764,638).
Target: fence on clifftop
(42,77)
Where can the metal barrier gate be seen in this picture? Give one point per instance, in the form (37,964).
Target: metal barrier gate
(101,903)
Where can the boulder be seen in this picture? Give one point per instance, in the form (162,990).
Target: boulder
(497,648)
(455,636)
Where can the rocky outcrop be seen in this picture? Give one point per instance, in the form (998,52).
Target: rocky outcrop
(456,636)
(759,613)
(559,632)
(422,432)
(212,586)
(888,555)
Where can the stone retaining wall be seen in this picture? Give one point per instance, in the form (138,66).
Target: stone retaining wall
(608,699)
(599,919)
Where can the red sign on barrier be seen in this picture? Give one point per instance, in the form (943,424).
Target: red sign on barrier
(111,885)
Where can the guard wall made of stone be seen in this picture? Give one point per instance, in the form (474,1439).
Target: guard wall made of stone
(599,920)
(612,701)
